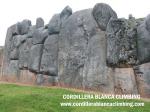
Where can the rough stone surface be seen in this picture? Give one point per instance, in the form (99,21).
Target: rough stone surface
(39,36)
(24,54)
(31,31)
(58,19)
(18,40)
(50,56)
(54,24)
(1,59)
(121,43)
(89,49)
(102,14)
(35,58)
(24,26)
(14,54)
(12,30)
(39,22)
(66,12)
(81,44)
(143,34)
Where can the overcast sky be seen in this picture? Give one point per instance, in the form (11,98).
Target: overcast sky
(12,11)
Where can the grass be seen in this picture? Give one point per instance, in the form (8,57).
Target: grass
(16,98)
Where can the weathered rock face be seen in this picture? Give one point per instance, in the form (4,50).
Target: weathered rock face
(39,22)
(23,27)
(121,43)
(16,36)
(81,44)
(1,59)
(102,14)
(24,54)
(90,49)
(54,24)
(143,41)
(39,36)
(35,58)
(49,61)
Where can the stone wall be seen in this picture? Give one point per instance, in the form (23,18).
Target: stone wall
(1,60)
(89,49)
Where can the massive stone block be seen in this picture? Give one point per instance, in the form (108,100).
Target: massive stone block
(81,44)
(11,31)
(24,26)
(31,31)
(14,38)
(72,46)
(24,53)
(39,36)
(14,54)
(35,58)
(39,22)
(20,28)
(1,60)
(143,41)
(66,12)
(58,19)
(96,75)
(54,24)
(49,61)
(121,43)
(17,41)
(102,14)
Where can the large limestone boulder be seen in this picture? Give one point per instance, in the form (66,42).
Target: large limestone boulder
(143,41)
(35,58)
(17,41)
(39,22)
(102,14)
(65,13)
(49,61)
(81,44)
(9,47)
(58,19)
(54,24)
(23,27)
(39,36)
(121,43)
(24,53)
(72,48)
(1,59)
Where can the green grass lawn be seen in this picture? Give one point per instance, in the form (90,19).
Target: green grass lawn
(15,98)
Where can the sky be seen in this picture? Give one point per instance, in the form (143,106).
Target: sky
(13,11)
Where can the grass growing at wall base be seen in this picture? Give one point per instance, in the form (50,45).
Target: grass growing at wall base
(15,98)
